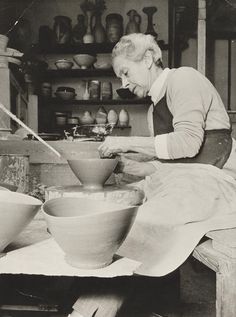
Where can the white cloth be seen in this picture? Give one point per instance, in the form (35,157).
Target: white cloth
(184,202)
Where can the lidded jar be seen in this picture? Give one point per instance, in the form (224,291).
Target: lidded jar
(114,27)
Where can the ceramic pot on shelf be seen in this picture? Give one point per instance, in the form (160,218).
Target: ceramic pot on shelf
(79,29)
(99,31)
(149,11)
(62,29)
(112,117)
(133,25)
(87,118)
(114,27)
(101,116)
(88,36)
(123,118)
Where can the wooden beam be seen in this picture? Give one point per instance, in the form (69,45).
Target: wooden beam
(201,39)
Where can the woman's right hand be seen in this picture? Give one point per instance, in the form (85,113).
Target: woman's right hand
(113,145)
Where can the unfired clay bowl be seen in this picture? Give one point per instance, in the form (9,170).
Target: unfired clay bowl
(88,231)
(93,172)
(16,212)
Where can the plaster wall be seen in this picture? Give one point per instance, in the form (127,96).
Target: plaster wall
(216,67)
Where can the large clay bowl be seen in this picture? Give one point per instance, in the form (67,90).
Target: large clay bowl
(16,212)
(88,231)
(93,172)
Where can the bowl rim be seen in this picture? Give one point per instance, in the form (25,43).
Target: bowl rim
(27,200)
(65,88)
(63,61)
(119,207)
(57,93)
(85,54)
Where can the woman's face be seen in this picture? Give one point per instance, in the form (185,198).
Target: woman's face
(135,75)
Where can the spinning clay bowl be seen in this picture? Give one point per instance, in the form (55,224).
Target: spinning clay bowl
(93,172)
(88,231)
(16,212)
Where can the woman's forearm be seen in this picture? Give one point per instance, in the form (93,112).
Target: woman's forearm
(143,145)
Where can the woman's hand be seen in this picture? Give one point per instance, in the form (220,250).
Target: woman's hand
(113,145)
(132,167)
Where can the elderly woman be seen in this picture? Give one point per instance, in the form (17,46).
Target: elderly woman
(187,119)
(188,124)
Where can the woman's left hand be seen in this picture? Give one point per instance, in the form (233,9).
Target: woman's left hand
(113,145)
(132,167)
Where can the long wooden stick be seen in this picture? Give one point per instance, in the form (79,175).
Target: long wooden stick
(10,114)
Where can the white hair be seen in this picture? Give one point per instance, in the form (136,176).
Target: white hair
(135,45)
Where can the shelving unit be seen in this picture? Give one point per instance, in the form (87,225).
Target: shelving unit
(55,102)
(90,48)
(77,73)
(51,105)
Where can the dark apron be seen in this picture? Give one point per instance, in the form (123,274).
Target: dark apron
(216,146)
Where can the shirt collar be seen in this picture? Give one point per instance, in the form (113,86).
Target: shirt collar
(156,91)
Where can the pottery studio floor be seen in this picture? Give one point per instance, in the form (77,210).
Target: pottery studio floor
(155,296)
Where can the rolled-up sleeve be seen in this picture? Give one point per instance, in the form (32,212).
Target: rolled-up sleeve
(189,102)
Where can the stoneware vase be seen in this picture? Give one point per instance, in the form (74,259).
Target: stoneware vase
(93,172)
(16,212)
(112,116)
(88,231)
(123,118)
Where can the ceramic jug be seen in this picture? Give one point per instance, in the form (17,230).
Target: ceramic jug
(99,32)
(79,29)
(133,25)
(62,29)
(87,118)
(88,37)
(112,117)
(114,27)
(123,118)
(101,116)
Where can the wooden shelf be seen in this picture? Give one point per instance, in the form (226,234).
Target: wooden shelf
(56,102)
(91,48)
(74,73)
(122,127)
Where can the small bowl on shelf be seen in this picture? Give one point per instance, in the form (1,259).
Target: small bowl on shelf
(64,64)
(84,61)
(125,93)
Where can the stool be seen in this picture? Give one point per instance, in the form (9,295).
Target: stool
(219,254)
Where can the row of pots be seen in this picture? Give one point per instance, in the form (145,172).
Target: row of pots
(89,27)
(87,118)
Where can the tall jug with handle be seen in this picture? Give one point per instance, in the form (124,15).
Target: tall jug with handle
(133,25)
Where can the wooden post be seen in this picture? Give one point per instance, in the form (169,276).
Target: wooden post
(201,39)
(5,96)
(33,112)
(226,290)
